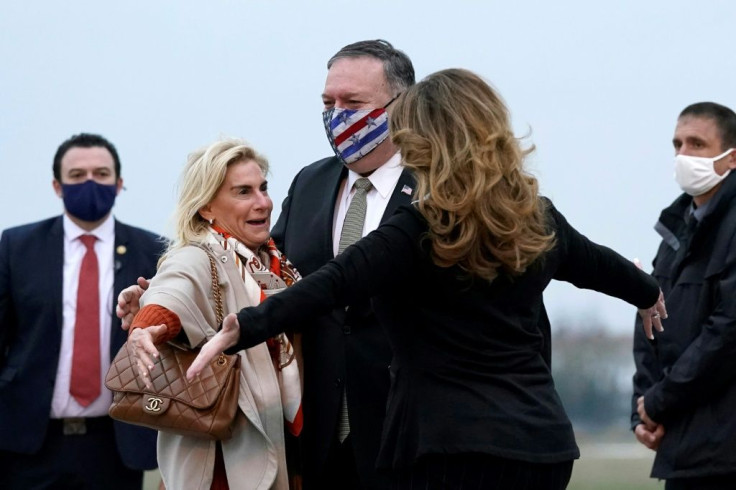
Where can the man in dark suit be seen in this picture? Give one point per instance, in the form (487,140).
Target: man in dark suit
(58,280)
(346,355)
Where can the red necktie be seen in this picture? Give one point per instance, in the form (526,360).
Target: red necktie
(86,379)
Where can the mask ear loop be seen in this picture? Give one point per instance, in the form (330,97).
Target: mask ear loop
(389,102)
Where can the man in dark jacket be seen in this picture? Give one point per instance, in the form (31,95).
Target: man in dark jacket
(685,381)
(58,281)
(347,355)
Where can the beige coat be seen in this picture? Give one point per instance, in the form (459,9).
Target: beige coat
(254,456)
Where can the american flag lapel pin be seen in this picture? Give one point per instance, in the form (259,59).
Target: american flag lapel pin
(406,190)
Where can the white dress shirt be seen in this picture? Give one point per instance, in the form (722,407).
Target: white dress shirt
(384,180)
(63,403)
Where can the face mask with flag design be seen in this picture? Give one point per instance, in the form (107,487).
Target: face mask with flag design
(355,133)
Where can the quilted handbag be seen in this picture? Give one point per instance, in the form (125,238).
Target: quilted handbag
(204,407)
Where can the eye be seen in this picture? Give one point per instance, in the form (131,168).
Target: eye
(264,187)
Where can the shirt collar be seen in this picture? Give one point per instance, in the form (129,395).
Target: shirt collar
(699,212)
(104,233)
(384,178)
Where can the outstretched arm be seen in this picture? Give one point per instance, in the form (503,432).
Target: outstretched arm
(591,266)
(376,264)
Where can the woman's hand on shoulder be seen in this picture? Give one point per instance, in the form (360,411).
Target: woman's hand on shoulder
(142,346)
(227,337)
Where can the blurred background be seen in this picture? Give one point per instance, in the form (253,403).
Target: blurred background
(595,86)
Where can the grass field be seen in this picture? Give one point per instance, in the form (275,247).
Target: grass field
(613,466)
(602,466)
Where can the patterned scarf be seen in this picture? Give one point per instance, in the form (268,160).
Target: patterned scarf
(272,278)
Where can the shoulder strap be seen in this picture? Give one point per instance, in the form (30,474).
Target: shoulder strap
(216,290)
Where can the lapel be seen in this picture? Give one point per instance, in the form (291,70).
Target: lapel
(399,197)
(53,249)
(334,176)
(122,279)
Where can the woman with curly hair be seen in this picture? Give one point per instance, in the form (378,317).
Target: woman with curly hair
(457,281)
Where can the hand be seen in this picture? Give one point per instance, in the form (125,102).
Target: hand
(653,315)
(227,337)
(129,302)
(650,438)
(141,345)
(642,411)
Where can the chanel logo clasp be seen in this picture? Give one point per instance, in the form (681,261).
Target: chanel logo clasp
(154,404)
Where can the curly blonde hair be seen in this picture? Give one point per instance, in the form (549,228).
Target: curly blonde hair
(482,207)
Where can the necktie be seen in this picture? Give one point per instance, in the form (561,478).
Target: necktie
(85,379)
(352,231)
(352,227)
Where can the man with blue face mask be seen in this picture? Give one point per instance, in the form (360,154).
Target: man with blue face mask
(685,382)
(58,332)
(347,356)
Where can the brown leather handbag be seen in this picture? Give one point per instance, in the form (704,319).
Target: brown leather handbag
(204,407)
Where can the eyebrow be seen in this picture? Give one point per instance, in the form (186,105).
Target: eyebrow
(345,95)
(96,169)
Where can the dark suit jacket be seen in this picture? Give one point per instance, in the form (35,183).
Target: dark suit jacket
(349,350)
(468,371)
(31,270)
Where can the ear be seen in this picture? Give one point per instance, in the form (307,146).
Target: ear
(731,160)
(119,186)
(206,212)
(57,188)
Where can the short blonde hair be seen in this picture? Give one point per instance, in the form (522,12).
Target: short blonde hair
(482,207)
(200,180)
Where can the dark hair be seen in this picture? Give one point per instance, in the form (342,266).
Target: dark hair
(396,64)
(84,140)
(724,118)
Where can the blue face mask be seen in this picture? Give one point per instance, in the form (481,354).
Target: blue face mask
(89,201)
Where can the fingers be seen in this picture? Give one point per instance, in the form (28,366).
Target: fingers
(227,337)
(646,437)
(128,303)
(660,306)
(143,283)
(141,347)
(646,321)
(637,263)
(205,356)
(641,410)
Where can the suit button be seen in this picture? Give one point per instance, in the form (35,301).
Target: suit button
(338,381)
(346,329)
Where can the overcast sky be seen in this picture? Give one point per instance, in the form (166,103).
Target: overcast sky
(596,86)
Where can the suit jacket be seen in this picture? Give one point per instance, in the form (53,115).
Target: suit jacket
(31,270)
(468,371)
(349,351)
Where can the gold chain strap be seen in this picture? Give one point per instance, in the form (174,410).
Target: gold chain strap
(216,291)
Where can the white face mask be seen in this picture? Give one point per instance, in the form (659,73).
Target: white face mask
(696,175)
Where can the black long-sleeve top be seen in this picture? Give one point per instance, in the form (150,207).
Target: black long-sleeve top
(468,371)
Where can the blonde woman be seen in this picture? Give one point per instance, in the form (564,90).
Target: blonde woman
(457,281)
(223,210)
